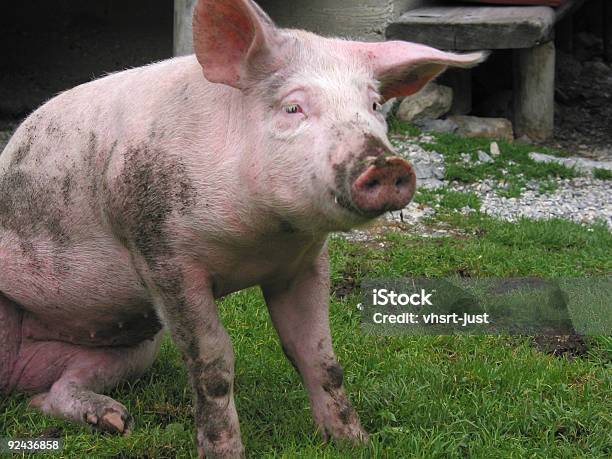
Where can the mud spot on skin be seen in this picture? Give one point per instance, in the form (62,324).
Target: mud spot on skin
(215,377)
(341,175)
(67,188)
(334,377)
(347,171)
(27,208)
(215,424)
(61,262)
(28,252)
(212,417)
(155,132)
(345,413)
(169,280)
(54,131)
(212,383)
(286,227)
(373,146)
(55,228)
(29,135)
(151,187)
(21,153)
(90,164)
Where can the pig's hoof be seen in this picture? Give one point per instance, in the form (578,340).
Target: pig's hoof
(99,411)
(345,435)
(38,401)
(113,420)
(225,446)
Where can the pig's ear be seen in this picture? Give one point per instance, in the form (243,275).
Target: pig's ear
(403,68)
(229,38)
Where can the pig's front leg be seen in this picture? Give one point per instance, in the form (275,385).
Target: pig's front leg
(191,315)
(299,311)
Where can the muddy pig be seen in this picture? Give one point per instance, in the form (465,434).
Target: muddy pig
(129,204)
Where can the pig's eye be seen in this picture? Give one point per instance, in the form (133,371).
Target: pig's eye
(293,108)
(376,106)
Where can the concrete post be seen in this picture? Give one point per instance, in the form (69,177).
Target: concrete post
(534,89)
(183,40)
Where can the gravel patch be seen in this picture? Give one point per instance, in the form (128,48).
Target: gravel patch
(582,199)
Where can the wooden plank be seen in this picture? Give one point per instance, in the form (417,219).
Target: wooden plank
(471,28)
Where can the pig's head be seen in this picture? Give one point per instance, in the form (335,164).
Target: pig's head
(319,154)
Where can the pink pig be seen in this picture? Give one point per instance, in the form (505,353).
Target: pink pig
(129,204)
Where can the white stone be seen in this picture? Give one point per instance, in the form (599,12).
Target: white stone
(429,125)
(473,126)
(494,149)
(581,164)
(431,102)
(483,157)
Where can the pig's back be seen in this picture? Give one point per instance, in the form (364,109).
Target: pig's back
(57,247)
(62,152)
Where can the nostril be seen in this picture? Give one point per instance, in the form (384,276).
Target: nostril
(400,181)
(372,184)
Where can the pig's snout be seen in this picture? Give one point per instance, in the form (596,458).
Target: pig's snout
(388,184)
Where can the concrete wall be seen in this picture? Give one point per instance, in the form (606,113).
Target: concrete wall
(358,19)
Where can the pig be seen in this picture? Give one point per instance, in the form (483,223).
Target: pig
(130,204)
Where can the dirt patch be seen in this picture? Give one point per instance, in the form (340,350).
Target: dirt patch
(345,287)
(583,108)
(569,346)
(51,432)
(583,99)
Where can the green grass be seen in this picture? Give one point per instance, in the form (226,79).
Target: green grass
(602,174)
(397,126)
(426,397)
(448,199)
